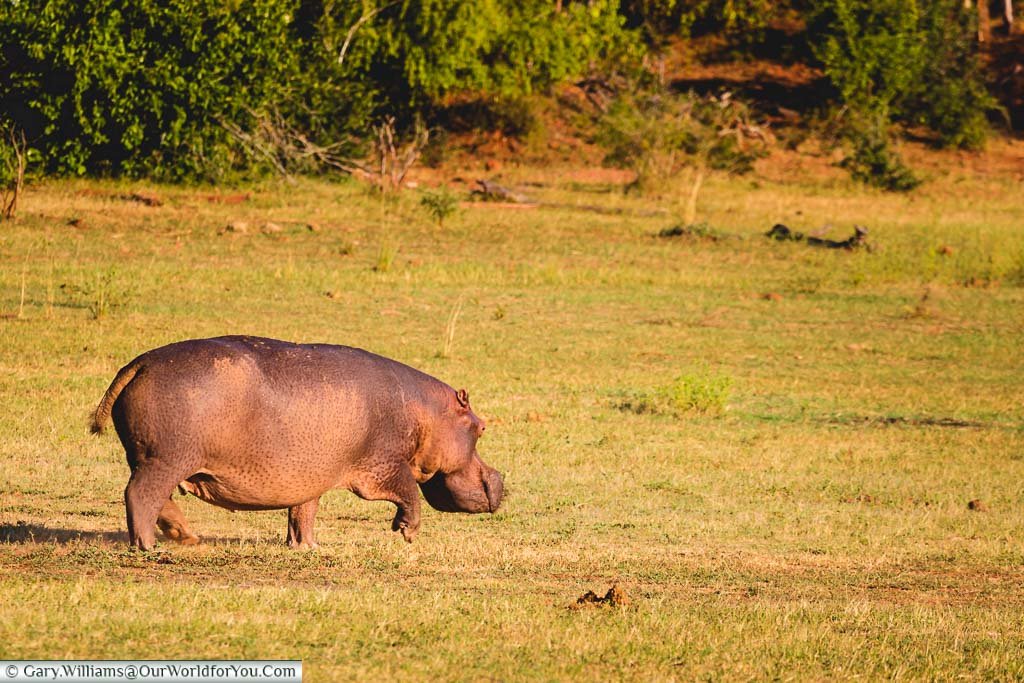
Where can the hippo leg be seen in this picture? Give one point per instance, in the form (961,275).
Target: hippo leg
(174,526)
(393,481)
(148,489)
(300,525)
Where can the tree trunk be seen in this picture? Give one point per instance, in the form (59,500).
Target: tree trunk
(984,20)
(1008,17)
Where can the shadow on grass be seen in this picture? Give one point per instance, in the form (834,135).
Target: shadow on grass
(37,533)
(23,533)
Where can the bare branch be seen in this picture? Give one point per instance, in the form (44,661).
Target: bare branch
(15,171)
(394,161)
(367,16)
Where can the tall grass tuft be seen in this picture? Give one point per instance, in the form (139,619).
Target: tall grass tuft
(385,257)
(449,329)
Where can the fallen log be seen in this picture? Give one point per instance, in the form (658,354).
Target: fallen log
(493,192)
(782,233)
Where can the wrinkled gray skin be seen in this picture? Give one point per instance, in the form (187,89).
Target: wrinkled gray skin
(258,424)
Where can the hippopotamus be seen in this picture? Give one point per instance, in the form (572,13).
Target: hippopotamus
(248,423)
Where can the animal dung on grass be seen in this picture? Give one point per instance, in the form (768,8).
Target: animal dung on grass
(235,228)
(145,198)
(615,597)
(247,423)
(697,232)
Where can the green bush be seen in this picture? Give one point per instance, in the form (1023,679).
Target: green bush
(950,97)
(907,61)
(873,161)
(657,133)
(140,87)
(662,18)
(199,88)
(440,204)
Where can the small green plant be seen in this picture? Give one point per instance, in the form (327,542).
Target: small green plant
(701,391)
(385,257)
(441,204)
(102,292)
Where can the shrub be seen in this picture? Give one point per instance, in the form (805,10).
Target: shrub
(101,292)
(873,161)
(658,133)
(140,87)
(950,97)
(440,204)
(661,18)
(911,61)
(199,88)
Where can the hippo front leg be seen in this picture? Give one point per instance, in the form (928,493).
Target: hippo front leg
(300,525)
(392,480)
(407,518)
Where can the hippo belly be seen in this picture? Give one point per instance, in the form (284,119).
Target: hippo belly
(286,458)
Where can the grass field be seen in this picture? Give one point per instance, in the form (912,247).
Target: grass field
(813,523)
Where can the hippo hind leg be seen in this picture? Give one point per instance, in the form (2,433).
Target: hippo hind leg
(300,525)
(173,524)
(146,496)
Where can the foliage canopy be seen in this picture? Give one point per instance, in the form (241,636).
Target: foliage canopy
(203,89)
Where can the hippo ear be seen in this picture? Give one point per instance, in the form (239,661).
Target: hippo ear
(463,398)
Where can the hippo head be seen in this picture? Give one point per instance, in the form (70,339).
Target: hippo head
(462,481)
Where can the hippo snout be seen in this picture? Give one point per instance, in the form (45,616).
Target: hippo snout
(494,488)
(474,489)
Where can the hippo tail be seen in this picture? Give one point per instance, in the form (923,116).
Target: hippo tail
(101,416)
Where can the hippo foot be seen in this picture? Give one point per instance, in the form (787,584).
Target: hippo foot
(180,538)
(407,530)
(305,545)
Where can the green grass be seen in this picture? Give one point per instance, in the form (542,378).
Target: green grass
(816,527)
